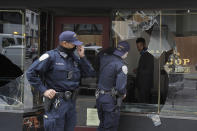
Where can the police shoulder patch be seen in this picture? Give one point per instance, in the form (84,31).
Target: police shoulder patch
(43,57)
(125,69)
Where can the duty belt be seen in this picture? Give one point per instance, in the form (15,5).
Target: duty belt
(104,92)
(56,100)
(66,95)
(113,92)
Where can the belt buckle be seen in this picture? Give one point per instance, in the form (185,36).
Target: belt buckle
(67,94)
(102,92)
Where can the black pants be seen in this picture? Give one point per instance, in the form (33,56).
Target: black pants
(144,95)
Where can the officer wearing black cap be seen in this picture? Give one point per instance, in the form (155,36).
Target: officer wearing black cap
(111,87)
(56,74)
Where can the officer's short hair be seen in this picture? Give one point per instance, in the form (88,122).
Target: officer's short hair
(141,40)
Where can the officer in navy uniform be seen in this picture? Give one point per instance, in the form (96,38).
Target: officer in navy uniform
(112,86)
(56,74)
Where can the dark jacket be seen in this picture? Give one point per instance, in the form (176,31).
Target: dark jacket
(145,71)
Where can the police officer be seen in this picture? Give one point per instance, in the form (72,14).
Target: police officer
(56,74)
(111,87)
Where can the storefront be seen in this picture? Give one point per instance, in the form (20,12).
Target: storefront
(170,31)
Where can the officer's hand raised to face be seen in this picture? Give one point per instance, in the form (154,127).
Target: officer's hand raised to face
(50,93)
(80,50)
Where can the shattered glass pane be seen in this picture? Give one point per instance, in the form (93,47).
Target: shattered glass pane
(18,50)
(171,37)
(11,93)
(134,23)
(181,78)
(159,41)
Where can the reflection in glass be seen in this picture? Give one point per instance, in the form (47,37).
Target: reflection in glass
(171,39)
(90,34)
(12,58)
(10,83)
(18,48)
(33,98)
(180,66)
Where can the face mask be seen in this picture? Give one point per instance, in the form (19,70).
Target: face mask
(73,49)
(66,50)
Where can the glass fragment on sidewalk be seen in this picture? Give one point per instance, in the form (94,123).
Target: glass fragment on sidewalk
(155,119)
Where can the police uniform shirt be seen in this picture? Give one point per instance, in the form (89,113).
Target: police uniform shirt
(58,71)
(113,73)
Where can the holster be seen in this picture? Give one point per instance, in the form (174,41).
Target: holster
(48,104)
(75,94)
(119,101)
